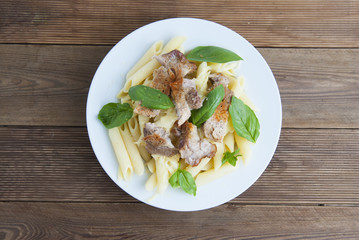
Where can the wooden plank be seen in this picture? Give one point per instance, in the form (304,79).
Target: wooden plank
(48,85)
(319,87)
(281,23)
(57,164)
(139,221)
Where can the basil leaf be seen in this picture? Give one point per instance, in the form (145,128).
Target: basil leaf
(212,54)
(231,157)
(187,182)
(214,98)
(244,120)
(182,178)
(150,97)
(115,114)
(173,180)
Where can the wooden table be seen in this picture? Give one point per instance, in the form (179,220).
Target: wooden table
(51,184)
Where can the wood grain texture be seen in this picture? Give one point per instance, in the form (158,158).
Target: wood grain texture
(57,164)
(306,23)
(139,221)
(48,85)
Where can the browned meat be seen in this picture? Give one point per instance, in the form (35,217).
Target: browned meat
(176,130)
(215,127)
(157,140)
(186,98)
(147,112)
(162,77)
(183,91)
(182,109)
(192,148)
(218,78)
(192,97)
(176,61)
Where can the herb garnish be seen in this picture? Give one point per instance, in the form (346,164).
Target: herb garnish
(244,120)
(214,98)
(212,54)
(231,157)
(150,97)
(183,179)
(115,114)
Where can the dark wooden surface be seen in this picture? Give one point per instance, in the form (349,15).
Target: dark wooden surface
(51,184)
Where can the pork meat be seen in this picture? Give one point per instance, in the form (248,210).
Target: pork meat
(192,148)
(157,140)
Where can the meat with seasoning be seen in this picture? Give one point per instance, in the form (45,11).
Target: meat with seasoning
(215,127)
(147,112)
(162,77)
(185,97)
(177,62)
(182,90)
(157,140)
(192,148)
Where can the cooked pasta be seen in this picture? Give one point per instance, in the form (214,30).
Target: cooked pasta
(128,140)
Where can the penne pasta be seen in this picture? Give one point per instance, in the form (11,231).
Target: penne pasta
(212,174)
(151,165)
(201,80)
(134,128)
(172,163)
(228,69)
(151,182)
(245,147)
(248,102)
(132,150)
(161,173)
(228,142)
(237,86)
(167,120)
(155,49)
(174,43)
(196,169)
(217,159)
(123,159)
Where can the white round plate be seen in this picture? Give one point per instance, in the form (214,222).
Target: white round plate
(261,88)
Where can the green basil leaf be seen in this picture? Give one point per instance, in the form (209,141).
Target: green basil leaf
(173,180)
(115,114)
(212,54)
(244,120)
(187,182)
(150,97)
(231,157)
(182,178)
(214,98)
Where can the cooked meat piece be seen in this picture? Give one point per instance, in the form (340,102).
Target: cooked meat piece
(147,112)
(162,77)
(175,133)
(186,98)
(176,61)
(192,97)
(218,78)
(176,130)
(157,140)
(215,127)
(182,109)
(192,148)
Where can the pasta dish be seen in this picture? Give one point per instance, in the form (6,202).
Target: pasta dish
(185,120)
